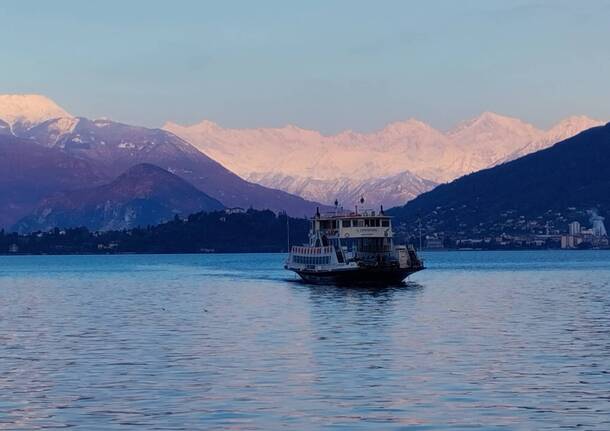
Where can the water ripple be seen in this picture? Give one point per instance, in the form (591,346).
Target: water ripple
(494,341)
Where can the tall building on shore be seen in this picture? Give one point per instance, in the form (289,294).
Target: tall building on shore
(574,228)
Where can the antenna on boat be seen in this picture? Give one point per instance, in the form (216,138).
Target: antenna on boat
(419,220)
(287,233)
(361,203)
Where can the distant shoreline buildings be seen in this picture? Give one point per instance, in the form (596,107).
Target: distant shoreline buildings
(594,237)
(513,231)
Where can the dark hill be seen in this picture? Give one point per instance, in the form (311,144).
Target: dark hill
(250,231)
(144,195)
(29,172)
(573,175)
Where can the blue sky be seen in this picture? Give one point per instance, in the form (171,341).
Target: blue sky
(327,65)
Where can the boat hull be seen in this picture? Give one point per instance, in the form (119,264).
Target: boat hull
(383,276)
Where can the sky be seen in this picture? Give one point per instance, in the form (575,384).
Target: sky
(324,65)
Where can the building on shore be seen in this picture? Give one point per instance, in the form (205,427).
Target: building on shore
(434,243)
(577,236)
(574,228)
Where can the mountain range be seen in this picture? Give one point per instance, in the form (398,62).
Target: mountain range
(100,150)
(62,169)
(410,145)
(409,157)
(560,183)
(405,158)
(390,191)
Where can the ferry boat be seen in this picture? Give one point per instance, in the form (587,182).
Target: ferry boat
(353,247)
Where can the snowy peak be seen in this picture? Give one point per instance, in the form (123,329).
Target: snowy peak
(29,109)
(565,129)
(572,126)
(490,122)
(487,139)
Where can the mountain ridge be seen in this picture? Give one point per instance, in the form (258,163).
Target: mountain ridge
(114,147)
(143,195)
(404,146)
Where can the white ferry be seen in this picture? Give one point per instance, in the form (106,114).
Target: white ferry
(353,247)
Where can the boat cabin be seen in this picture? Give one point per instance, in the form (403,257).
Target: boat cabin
(364,235)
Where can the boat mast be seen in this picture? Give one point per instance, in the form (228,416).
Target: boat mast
(419,221)
(287,234)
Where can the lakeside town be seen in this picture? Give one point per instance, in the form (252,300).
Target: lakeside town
(572,230)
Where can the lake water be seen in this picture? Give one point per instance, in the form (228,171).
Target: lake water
(480,340)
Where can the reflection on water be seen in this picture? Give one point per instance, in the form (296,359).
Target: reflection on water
(487,340)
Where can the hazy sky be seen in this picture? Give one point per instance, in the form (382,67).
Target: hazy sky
(328,65)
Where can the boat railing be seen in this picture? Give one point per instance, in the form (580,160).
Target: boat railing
(311,251)
(341,212)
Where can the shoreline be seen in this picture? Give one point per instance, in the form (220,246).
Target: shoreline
(284,252)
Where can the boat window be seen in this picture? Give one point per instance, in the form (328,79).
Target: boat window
(367,222)
(346,223)
(360,222)
(385,223)
(376,222)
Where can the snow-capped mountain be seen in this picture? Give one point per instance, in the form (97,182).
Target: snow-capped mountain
(323,168)
(487,138)
(569,127)
(22,111)
(306,153)
(117,147)
(389,191)
(31,124)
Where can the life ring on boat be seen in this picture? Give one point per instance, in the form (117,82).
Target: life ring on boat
(346,235)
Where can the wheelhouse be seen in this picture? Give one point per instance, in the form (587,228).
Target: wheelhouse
(363,235)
